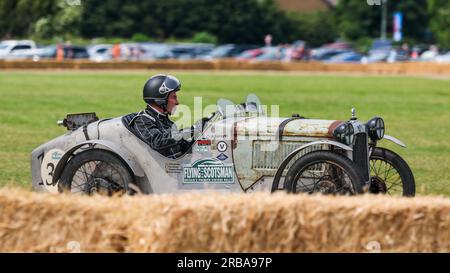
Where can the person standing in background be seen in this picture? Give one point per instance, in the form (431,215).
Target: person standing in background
(59,52)
(115,52)
(268,40)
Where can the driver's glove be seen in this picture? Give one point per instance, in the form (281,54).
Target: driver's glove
(197,128)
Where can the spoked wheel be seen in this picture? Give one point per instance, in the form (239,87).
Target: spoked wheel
(324,172)
(390,174)
(97,172)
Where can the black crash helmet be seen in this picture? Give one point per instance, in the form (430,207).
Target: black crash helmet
(158,87)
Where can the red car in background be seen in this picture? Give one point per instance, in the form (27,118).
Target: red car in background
(250,54)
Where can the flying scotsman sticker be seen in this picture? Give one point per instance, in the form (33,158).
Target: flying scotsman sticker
(208,171)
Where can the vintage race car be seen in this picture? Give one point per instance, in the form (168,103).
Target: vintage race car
(239,149)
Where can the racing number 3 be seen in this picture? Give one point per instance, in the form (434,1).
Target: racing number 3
(52,167)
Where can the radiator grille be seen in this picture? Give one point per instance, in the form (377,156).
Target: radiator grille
(360,156)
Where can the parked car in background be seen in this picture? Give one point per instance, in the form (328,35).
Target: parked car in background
(430,54)
(131,51)
(9,48)
(227,51)
(327,51)
(190,51)
(444,58)
(70,52)
(323,54)
(398,55)
(346,57)
(35,54)
(250,54)
(338,45)
(299,50)
(380,50)
(273,53)
(50,52)
(100,53)
(156,51)
(75,52)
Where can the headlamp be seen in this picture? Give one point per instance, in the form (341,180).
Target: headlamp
(344,133)
(375,128)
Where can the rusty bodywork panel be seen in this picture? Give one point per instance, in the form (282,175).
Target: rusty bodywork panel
(257,153)
(297,127)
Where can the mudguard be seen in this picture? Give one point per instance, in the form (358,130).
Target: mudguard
(395,140)
(121,152)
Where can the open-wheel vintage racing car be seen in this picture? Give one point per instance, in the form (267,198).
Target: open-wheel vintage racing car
(239,149)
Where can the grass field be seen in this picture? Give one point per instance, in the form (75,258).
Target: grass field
(416,110)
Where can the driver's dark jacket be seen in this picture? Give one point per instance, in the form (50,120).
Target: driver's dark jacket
(158,131)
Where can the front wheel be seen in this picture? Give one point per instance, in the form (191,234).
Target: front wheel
(390,174)
(97,172)
(324,172)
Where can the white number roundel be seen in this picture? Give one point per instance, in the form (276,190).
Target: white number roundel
(48,166)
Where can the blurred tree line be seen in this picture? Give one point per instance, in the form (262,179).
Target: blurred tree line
(222,21)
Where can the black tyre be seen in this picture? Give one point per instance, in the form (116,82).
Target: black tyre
(324,172)
(97,171)
(390,174)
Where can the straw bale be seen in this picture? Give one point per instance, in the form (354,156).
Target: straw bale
(213,222)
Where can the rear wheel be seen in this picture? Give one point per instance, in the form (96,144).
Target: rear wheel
(324,172)
(390,174)
(97,172)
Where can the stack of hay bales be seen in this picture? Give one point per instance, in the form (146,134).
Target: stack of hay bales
(33,222)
